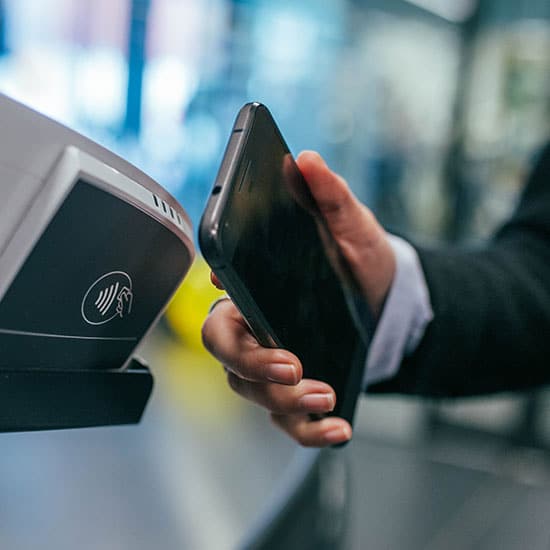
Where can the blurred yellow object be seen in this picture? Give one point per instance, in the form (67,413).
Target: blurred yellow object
(194,381)
(190,305)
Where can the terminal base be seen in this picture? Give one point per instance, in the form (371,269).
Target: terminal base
(36,399)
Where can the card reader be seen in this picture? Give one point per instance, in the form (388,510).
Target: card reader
(91,250)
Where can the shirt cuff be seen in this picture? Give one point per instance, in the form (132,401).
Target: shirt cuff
(407,311)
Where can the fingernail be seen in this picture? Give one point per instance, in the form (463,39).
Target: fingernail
(284,373)
(317,402)
(338,435)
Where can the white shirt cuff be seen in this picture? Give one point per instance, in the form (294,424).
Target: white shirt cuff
(407,311)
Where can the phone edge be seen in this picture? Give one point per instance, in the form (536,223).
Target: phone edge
(210,236)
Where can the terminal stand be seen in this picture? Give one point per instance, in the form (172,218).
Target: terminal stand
(34,399)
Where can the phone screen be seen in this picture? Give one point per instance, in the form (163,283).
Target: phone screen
(288,264)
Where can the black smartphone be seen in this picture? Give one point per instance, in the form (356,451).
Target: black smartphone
(262,235)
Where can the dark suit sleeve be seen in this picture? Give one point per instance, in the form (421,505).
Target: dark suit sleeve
(491,326)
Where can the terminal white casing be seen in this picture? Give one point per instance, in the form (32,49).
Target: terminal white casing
(72,212)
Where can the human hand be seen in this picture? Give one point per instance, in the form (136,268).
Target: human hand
(271,377)
(360,238)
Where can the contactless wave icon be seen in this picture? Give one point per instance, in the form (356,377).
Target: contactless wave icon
(105,298)
(108,297)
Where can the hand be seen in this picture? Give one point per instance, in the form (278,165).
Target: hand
(124,302)
(362,240)
(272,378)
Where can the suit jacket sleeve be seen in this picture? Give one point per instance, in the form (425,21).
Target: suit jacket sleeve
(491,326)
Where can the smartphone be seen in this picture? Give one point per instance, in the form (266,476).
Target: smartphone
(263,237)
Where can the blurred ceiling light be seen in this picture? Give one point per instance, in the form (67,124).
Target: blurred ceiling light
(455,11)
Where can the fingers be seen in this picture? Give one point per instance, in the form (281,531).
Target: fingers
(360,237)
(308,396)
(318,433)
(272,378)
(215,281)
(227,337)
(332,194)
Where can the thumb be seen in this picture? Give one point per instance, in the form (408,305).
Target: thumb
(361,239)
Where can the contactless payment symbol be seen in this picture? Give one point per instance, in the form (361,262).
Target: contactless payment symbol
(109,296)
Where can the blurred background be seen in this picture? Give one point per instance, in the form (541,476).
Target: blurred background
(432,109)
